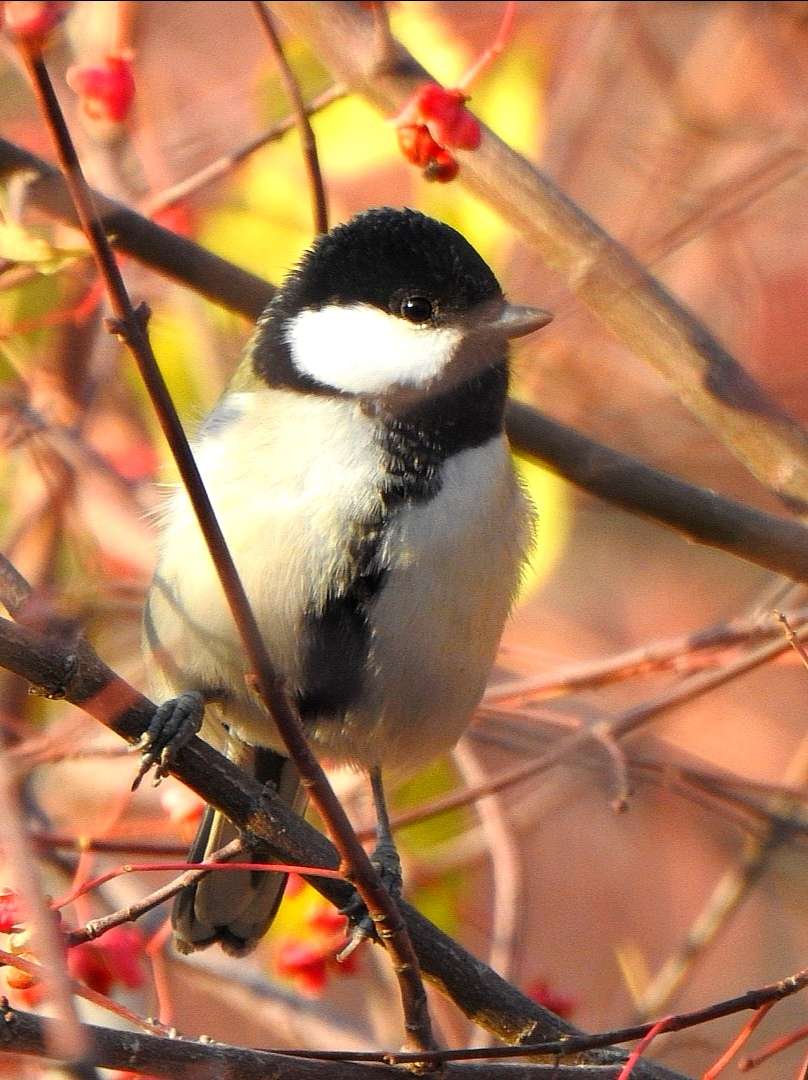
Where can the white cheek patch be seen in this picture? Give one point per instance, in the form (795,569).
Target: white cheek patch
(362,350)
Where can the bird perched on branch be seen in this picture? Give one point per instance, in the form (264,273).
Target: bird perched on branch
(360,472)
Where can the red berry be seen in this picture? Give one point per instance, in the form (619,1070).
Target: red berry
(113,958)
(106,89)
(303,962)
(123,948)
(543,994)
(17,979)
(10,914)
(327,920)
(86,963)
(417,145)
(445,114)
(442,168)
(31,21)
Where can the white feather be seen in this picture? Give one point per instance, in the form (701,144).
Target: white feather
(287,476)
(363,350)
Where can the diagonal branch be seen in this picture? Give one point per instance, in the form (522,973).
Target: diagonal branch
(78,674)
(135,235)
(131,327)
(226,163)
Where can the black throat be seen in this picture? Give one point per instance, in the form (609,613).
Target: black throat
(419,438)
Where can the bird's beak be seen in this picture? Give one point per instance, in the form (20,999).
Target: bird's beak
(514,320)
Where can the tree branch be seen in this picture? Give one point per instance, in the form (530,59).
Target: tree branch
(698,514)
(181,1059)
(307,141)
(162,250)
(76,673)
(130,326)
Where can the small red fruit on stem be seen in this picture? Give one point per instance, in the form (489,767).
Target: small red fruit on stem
(29,22)
(445,114)
(11,917)
(435,120)
(106,89)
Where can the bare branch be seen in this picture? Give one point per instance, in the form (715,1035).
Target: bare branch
(652,656)
(67,1040)
(81,676)
(307,141)
(149,243)
(695,512)
(613,727)
(225,164)
(180,1059)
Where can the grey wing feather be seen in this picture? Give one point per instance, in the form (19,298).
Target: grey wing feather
(235,908)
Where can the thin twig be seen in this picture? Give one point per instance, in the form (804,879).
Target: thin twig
(488,55)
(508,908)
(189,1059)
(658,1028)
(729,892)
(307,141)
(39,972)
(616,727)
(226,163)
(130,326)
(769,994)
(793,640)
(134,911)
(109,846)
(738,1042)
(652,656)
(196,870)
(776,1046)
(67,1040)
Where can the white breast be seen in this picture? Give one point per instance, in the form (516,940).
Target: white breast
(454,564)
(286,473)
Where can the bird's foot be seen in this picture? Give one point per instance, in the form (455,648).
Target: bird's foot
(174,723)
(387,863)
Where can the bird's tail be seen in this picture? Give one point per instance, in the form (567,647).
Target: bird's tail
(234,907)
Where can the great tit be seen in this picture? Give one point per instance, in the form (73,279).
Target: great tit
(359,469)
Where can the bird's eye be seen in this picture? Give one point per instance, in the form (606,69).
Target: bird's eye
(416,309)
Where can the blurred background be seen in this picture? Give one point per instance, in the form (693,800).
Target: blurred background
(680,127)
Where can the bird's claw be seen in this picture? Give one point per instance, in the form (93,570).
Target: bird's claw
(174,723)
(387,863)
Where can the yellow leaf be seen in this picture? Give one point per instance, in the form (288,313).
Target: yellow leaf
(21,245)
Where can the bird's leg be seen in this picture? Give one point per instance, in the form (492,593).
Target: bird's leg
(385,855)
(173,724)
(386,860)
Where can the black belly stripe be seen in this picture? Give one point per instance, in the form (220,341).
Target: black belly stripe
(335,636)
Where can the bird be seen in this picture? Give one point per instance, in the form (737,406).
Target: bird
(359,468)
